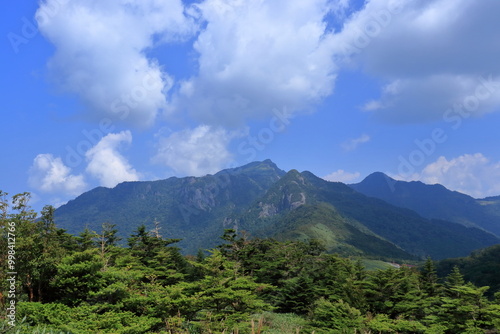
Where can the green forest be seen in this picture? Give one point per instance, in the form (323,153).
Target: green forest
(96,283)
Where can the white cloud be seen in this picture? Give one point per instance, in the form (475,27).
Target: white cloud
(195,152)
(255,56)
(101,53)
(472,174)
(432,54)
(372,105)
(437,97)
(352,144)
(342,176)
(107,164)
(49,174)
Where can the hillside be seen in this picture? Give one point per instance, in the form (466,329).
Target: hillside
(323,223)
(373,217)
(434,201)
(491,206)
(481,267)
(266,202)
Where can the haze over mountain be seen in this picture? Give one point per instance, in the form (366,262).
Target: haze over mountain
(434,201)
(266,201)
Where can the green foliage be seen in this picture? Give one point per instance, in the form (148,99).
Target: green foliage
(429,278)
(86,319)
(89,284)
(280,323)
(453,280)
(39,246)
(78,275)
(469,310)
(338,316)
(383,324)
(24,327)
(225,296)
(321,223)
(481,268)
(393,292)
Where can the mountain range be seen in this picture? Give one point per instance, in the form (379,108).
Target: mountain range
(434,201)
(378,217)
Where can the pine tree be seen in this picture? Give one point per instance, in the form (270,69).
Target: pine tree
(225,296)
(429,278)
(85,240)
(454,279)
(78,275)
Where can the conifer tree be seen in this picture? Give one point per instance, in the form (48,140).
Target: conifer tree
(429,278)
(454,279)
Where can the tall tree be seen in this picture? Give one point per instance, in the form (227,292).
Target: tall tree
(107,239)
(454,280)
(78,275)
(429,278)
(163,261)
(49,241)
(86,240)
(225,296)
(27,247)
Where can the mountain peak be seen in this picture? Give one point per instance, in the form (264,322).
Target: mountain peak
(430,201)
(375,183)
(377,176)
(266,166)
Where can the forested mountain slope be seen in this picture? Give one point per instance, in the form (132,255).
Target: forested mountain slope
(265,201)
(190,208)
(402,227)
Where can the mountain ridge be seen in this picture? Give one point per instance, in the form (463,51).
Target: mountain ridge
(185,203)
(268,202)
(434,201)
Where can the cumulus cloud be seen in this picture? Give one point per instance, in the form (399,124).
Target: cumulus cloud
(107,164)
(100,53)
(433,55)
(49,174)
(342,176)
(195,152)
(255,56)
(472,174)
(352,144)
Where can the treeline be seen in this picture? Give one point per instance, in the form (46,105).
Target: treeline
(90,284)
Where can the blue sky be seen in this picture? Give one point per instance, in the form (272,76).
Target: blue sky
(99,92)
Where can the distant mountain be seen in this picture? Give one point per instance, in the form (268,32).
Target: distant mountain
(267,202)
(434,201)
(491,207)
